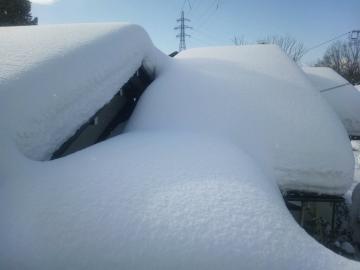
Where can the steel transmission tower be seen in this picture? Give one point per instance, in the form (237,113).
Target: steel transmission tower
(182,27)
(354,37)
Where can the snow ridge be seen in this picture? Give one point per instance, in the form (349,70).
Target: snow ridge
(194,181)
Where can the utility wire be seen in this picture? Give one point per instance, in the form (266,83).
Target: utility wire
(335,87)
(195,5)
(204,16)
(183,5)
(206,20)
(325,42)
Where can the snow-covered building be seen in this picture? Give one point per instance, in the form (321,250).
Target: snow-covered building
(192,180)
(344,98)
(341,95)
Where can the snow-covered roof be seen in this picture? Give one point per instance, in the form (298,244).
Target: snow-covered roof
(340,94)
(56,78)
(191,184)
(257,98)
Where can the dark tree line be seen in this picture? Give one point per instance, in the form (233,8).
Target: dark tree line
(344,58)
(16,12)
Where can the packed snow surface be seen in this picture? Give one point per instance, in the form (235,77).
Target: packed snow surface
(194,181)
(340,94)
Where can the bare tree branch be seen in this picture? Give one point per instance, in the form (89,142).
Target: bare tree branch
(239,40)
(293,48)
(344,58)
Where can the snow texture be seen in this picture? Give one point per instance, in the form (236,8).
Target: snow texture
(344,99)
(50,68)
(242,94)
(192,184)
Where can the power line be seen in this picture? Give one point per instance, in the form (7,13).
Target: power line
(205,18)
(334,87)
(214,6)
(183,5)
(195,4)
(325,42)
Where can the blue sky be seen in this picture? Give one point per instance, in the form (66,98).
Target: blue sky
(215,22)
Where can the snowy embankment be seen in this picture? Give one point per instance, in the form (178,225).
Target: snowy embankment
(192,184)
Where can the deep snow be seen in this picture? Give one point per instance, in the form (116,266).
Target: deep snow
(63,78)
(345,99)
(242,94)
(153,201)
(192,184)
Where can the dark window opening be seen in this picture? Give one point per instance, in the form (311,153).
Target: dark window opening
(110,119)
(324,217)
(173,54)
(312,210)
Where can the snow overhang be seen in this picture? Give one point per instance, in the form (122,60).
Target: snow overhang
(54,78)
(191,182)
(256,97)
(340,94)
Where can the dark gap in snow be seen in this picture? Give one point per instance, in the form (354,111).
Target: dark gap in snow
(110,119)
(173,54)
(310,208)
(325,218)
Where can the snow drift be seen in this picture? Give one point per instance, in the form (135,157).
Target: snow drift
(54,78)
(194,181)
(174,201)
(340,94)
(256,97)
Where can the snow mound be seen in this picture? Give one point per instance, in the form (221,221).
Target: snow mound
(344,99)
(256,97)
(175,201)
(192,182)
(63,77)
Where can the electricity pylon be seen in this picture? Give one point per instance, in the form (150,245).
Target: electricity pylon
(182,27)
(354,37)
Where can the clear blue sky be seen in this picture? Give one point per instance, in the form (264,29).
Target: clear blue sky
(215,22)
